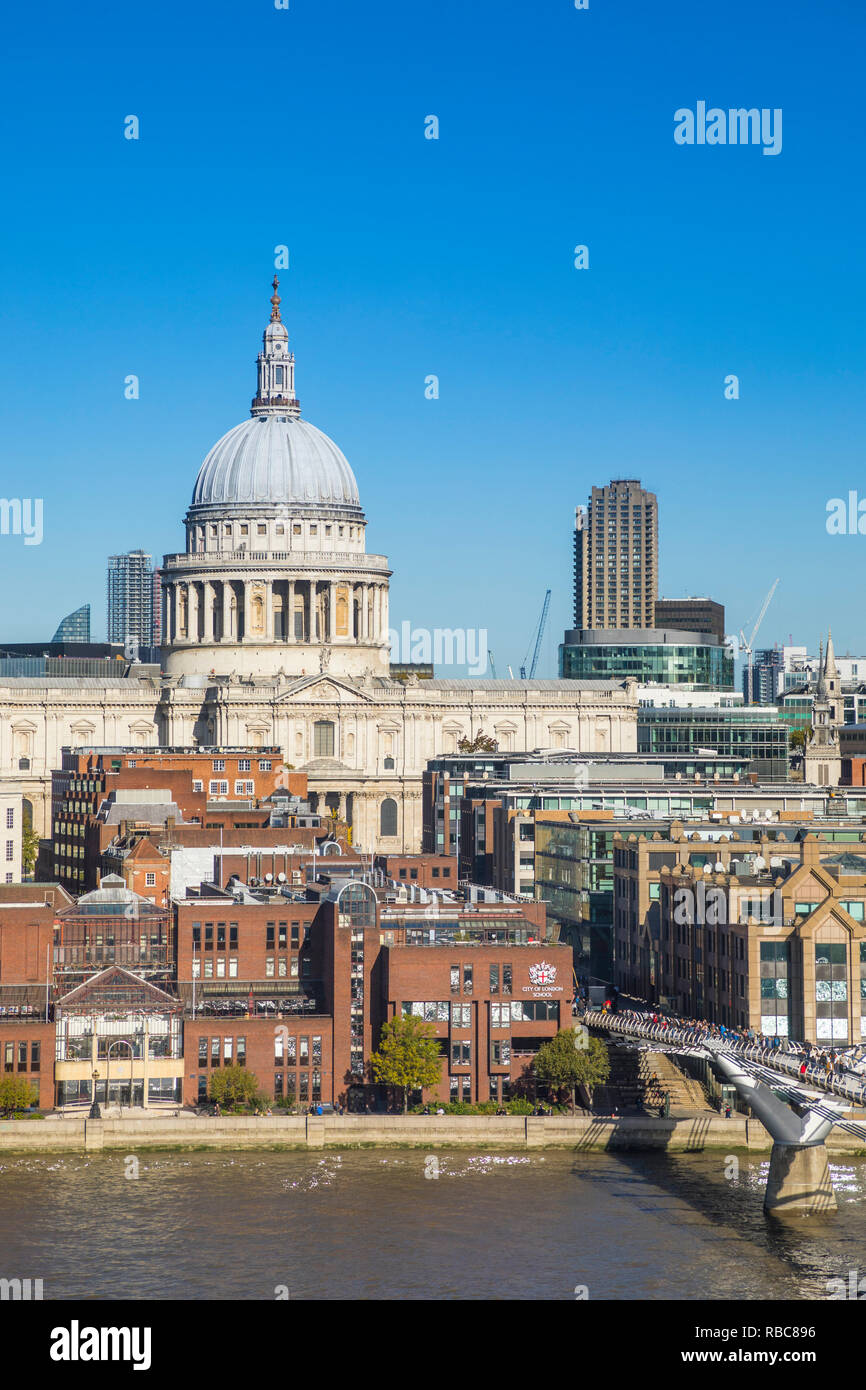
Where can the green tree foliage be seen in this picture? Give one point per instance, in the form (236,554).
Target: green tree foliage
(29,850)
(408,1056)
(233,1085)
(16,1093)
(481,743)
(797,738)
(572,1059)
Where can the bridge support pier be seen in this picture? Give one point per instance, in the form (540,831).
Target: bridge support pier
(799,1181)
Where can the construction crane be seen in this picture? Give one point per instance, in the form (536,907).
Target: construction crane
(490,659)
(542,622)
(747,646)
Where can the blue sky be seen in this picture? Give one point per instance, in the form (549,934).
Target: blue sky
(455,257)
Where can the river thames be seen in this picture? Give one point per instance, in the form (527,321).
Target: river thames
(388,1224)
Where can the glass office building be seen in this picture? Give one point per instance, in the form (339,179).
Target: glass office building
(75,627)
(690,660)
(574,876)
(756,733)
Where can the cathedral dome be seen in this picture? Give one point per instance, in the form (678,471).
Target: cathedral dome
(275,460)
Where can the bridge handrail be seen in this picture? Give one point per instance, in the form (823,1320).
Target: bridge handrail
(760,1053)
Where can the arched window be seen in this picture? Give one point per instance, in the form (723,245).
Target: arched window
(323,739)
(388,817)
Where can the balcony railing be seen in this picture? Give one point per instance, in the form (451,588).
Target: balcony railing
(299,559)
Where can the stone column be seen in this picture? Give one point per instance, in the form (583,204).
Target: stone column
(384,593)
(365,591)
(227,611)
(269,611)
(246,611)
(207,600)
(290,616)
(332,611)
(799,1181)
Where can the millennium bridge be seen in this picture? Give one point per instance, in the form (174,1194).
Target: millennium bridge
(797,1110)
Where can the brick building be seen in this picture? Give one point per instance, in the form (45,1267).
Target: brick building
(105,800)
(766,933)
(294,982)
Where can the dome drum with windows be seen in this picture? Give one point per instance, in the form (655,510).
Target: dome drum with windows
(275,577)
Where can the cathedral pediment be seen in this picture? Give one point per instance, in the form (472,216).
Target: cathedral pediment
(327,690)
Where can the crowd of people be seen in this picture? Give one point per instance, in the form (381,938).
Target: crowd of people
(846,1066)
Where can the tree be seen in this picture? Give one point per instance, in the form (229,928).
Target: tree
(29,850)
(233,1085)
(16,1093)
(408,1056)
(797,738)
(481,743)
(573,1059)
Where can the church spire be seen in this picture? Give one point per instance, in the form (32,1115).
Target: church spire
(821,687)
(830,671)
(276,368)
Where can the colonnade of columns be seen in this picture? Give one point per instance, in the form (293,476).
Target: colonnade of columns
(274,610)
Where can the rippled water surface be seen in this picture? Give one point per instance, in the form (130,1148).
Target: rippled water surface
(370,1225)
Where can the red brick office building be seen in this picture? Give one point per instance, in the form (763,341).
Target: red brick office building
(293,983)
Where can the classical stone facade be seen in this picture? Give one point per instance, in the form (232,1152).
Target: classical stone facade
(275,625)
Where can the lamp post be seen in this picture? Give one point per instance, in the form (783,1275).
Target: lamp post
(95,1112)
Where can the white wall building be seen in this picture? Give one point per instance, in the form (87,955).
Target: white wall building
(11,825)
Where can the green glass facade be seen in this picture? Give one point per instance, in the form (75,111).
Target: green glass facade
(574,876)
(755,733)
(698,666)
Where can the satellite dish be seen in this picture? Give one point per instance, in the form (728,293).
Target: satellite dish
(269,878)
(281,878)
(760,863)
(720,868)
(708,868)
